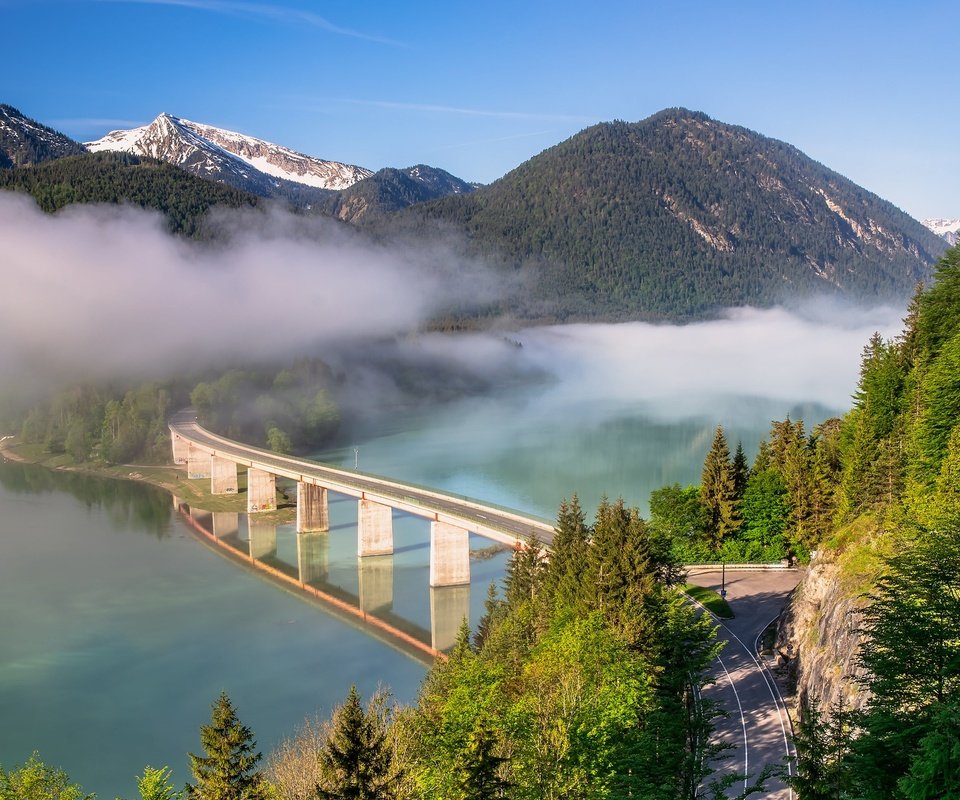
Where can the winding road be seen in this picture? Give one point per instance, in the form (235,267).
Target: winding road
(757,723)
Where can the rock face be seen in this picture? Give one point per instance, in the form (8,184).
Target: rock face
(26,141)
(818,639)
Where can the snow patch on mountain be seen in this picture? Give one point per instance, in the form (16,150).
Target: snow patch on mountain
(233,157)
(948,229)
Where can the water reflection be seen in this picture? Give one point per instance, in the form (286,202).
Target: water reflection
(128,503)
(361,589)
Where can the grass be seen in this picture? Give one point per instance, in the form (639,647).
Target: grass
(710,600)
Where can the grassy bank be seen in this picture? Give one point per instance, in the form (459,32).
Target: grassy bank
(710,600)
(170,477)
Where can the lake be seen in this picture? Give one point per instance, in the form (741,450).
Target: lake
(120,626)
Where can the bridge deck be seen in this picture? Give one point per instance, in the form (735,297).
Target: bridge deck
(492,522)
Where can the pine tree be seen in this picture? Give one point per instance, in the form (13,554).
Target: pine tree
(741,472)
(525,572)
(718,493)
(571,543)
(357,758)
(480,767)
(228,770)
(493,610)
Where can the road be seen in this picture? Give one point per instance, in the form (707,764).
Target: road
(499,524)
(758,724)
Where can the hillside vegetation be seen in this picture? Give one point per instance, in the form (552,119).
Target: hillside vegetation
(678,215)
(122,178)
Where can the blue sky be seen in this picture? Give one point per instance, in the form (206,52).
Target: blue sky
(869,89)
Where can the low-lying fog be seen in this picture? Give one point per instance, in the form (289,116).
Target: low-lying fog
(528,416)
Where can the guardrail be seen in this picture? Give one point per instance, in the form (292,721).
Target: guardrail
(738,567)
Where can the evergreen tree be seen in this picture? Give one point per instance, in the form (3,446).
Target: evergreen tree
(481,767)
(525,572)
(571,542)
(823,751)
(228,770)
(718,493)
(493,609)
(357,757)
(741,472)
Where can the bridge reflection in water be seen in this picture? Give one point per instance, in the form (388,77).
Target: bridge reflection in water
(387,596)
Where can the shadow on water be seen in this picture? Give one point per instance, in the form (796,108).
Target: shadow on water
(127,503)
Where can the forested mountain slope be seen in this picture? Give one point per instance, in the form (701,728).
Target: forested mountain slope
(26,141)
(678,215)
(124,178)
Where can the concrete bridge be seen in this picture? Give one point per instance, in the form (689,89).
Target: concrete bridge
(452,518)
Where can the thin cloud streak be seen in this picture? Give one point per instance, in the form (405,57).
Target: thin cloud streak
(279,14)
(466,112)
(496,139)
(94,123)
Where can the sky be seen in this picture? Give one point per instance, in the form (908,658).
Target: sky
(868,89)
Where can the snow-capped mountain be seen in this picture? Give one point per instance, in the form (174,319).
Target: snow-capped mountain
(26,141)
(243,161)
(946,228)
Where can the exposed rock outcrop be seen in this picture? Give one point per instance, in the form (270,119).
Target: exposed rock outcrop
(818,638)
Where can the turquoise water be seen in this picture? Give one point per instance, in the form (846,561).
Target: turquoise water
(120,627)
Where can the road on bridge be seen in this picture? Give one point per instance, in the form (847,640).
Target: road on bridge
(490,521)
(757,722)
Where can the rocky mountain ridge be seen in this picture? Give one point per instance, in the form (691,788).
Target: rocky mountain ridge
(948,229)
(245,162)
(24,141)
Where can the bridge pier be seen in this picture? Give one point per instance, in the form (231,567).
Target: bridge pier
(223,475)
(313,510)
(312,557)
(198,462)
(374,529)
(261,491)
(225,523)
(376,583)
(449,606)
(263,538)
(181,448)
(449,555)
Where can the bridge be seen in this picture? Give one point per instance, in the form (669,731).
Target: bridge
(452,518)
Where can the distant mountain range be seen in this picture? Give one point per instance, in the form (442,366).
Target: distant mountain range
(672,217)
(947,229)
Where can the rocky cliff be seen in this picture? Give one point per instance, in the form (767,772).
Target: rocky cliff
(817,638)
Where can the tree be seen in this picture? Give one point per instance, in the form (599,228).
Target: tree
(480,767)
(155,784)
(228,770)
(357,759)
(718,493)
(823,749)
(568,554)
(765,513)
(910,652)
(36,781)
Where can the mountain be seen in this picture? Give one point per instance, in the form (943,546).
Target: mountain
(947,229)
(26,141)
(183,198)
(678,215)
(256,166)
(391,190)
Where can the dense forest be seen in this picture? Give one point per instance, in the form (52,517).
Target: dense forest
(286,409)
(679,215)
(122,178)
